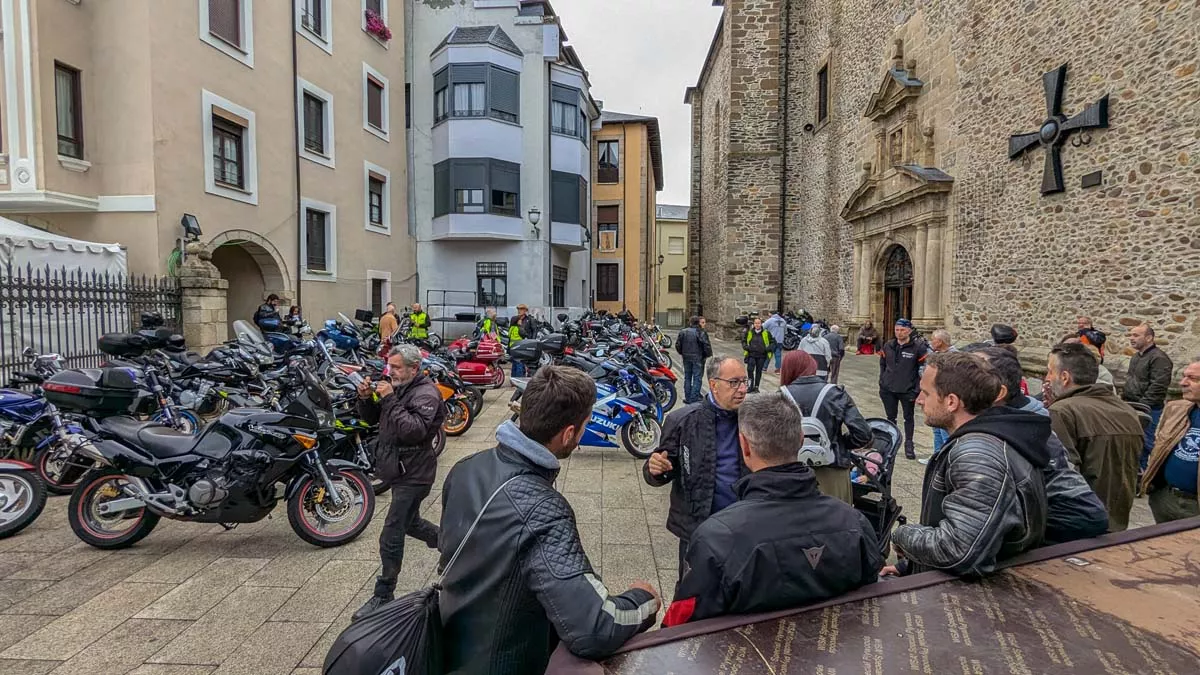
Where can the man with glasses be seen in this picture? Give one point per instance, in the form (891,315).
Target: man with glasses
(699,453)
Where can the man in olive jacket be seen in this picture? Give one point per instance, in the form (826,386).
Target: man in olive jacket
(1102,434)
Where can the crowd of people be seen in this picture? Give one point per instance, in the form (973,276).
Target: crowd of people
(754,471)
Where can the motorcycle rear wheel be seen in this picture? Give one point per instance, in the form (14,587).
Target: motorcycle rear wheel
(309,518)
(60,476)
(458,417)
(475,398)
(22,498)
(120,530)
(665,392)
(439,442)
(639,442)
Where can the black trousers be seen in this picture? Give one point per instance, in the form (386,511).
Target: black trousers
(755,365)
(890,403)
(403,518)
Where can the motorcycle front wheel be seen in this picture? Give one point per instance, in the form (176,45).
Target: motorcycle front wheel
(185,421)
(315,517)
(641,435)
(60,474)
(791,342)
(665,392)
(439,442)
(458,417)
(475,398)
(106,531)
(22,498)
(666,342)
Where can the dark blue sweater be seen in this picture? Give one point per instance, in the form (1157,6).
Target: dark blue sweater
(728,457)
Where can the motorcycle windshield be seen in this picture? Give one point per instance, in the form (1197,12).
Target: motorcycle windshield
(250,332)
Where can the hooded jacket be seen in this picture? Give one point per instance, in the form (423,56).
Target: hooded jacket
(782,544)
(523,582)
(984,497)
(818,348)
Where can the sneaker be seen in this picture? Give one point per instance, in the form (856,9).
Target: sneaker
(910,453)
(374,603)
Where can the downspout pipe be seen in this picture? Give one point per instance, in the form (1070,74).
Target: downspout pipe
(296,159)
(784,137)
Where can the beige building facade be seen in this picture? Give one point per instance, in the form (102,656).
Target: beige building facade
(671,233)
(959,164)
(628,175)
(278,125)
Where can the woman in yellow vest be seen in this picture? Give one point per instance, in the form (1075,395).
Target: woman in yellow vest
(756,345)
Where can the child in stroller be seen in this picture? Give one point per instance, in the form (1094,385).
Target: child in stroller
(872,481)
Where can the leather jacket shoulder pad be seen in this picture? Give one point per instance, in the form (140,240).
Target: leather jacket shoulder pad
(549,518)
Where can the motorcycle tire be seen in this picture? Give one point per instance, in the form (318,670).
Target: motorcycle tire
(791,342)
(498,378)
(666,342)
(59,477)
(439,442)
(378,486)
(357,487)
(187,423)
(474,399)
(22,498)
(91,528)
(670,361)
(665,392)
(458,417)
(640,448)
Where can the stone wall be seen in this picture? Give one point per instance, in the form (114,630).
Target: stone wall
(1123,252)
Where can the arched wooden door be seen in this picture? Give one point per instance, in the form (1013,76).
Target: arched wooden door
(897,287)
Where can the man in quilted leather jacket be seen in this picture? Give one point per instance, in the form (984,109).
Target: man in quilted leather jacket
(523,582)
(984,498)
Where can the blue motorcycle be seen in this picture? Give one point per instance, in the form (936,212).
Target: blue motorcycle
(626,409)
(32,430)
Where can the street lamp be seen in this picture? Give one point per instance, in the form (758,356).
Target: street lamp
(535,217)
(661,259)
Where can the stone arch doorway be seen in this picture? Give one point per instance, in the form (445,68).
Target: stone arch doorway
(254,269)
(896,275)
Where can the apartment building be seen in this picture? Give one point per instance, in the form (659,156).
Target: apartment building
(671,231)
(501,157)
(628,176)
(277,124)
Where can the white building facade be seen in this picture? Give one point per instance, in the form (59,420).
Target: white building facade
(500,133)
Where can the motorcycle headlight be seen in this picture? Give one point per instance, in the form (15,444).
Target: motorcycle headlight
(325,418)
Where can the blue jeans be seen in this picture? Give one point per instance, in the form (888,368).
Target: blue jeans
(1148,443)
(778,347)
(693,374)
(518,369)
(939,439)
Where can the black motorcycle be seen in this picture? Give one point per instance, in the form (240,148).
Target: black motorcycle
(235,471)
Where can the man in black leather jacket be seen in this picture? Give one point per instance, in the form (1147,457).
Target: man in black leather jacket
(523,582)
(984,498)
(692,344)
(783,543)
(408,408)
(266,317)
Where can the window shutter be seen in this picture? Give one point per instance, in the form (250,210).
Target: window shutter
(504,92)
(374,103)
(441,188)
(225,20)
(564,95)
(468,73)
(564,198)
(506,176)
(584,207)
(469,175)
(606,215)
(441,79)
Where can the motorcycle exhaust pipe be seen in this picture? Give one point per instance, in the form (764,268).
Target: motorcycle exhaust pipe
(81,445)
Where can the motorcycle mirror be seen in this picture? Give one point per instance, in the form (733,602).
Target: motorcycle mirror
(329,345)
(29,352)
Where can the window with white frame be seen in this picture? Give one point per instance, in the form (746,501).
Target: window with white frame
(313,21)
(228,25)
(378,8)
(231,156)
(316,128)
(376,109)
(319,241)
(377,198)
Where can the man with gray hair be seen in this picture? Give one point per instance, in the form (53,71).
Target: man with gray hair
(783,543)
(837,350)
(408,408)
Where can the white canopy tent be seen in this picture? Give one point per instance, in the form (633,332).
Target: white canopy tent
(41,277)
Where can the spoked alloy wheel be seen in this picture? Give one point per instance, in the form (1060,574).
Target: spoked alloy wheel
(641,436)
(315,517)
(475,398)
(665,392)
(458,417)
(107,530)
(22,498)
(60,469)
(185,421)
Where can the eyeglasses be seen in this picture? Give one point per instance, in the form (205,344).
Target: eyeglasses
(736,383)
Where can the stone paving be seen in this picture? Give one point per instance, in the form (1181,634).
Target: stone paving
(193,599)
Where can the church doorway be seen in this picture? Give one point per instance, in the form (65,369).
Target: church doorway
(897,286)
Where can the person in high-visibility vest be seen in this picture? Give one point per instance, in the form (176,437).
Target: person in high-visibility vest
(488,325)
(755,347)
(515,335)
(419,323)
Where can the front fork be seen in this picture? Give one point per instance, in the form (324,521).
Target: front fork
(317,467)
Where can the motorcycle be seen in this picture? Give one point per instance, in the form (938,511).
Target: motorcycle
(476,361)
(236,471)
(22,496)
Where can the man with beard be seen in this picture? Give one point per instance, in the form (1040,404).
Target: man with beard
(984,499)
(408,408)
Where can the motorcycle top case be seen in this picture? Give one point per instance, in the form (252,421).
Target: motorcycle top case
(123,344)
(98,392)
(489,349)
(525,351)
(554,344)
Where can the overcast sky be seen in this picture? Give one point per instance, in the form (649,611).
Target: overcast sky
(641,55)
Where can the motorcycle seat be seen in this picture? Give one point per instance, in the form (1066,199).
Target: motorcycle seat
(159,440)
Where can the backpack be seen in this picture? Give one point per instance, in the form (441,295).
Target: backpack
(403,637)
(817,450)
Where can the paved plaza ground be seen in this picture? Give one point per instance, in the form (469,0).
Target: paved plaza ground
(193,599)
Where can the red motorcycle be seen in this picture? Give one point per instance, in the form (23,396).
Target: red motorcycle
(477,361)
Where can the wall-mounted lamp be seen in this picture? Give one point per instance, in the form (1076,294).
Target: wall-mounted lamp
(535,217)
(661,259)
(191,227)
(808,128)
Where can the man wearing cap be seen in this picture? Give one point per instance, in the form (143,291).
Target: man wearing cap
(900,363)
(519,330)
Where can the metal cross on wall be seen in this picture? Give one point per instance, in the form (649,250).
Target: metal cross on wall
(1054,131)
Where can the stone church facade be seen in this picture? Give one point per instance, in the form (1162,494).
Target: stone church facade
(852,157)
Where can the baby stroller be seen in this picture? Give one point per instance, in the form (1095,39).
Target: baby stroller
(873,484)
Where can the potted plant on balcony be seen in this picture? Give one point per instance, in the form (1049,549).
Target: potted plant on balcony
(376,26)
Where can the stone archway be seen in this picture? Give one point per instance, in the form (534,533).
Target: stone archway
(254,269)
